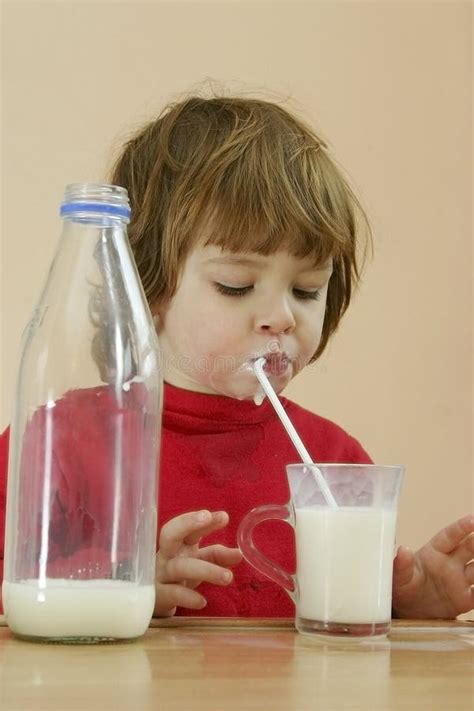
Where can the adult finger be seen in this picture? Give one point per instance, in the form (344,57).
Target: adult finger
(194,571)
(168,597)
(446,540)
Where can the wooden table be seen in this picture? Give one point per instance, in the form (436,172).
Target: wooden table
(227,665)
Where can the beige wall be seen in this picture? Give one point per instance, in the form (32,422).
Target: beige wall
(387,82)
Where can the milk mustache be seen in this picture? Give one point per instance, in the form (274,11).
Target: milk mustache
(109,609)
(344,563)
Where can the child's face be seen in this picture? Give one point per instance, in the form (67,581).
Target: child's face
(231,308)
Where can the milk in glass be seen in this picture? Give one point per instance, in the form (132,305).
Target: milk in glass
(344,562)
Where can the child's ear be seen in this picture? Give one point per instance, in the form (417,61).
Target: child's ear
(155,314)
(158,312)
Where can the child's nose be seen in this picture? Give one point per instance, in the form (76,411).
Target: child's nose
(276,318)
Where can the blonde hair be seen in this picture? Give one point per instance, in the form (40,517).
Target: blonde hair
(251,175)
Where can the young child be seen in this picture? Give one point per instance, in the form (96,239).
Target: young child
(246,237)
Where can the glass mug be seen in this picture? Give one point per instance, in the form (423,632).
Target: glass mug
(344,555)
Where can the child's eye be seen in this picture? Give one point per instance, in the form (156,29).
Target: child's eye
(305,295)
(232,290)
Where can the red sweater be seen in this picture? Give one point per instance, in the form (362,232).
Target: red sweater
(219,454)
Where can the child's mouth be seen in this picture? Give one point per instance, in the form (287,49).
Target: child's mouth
(276,363)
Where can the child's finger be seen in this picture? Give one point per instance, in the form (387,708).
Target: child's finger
(177,529)
(218,520)
(195,571)
(469,573)
(220,555)
(169,596)
(463,597)
(403,567)
(446,540)
(464,552)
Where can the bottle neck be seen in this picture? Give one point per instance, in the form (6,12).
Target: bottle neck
(100,204)
(81,220)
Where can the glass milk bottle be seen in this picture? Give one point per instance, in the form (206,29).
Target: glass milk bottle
(82,480)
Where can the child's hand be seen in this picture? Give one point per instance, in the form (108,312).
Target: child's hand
(436,581)
(181,565)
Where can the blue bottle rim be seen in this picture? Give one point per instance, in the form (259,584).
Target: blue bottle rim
(70,208)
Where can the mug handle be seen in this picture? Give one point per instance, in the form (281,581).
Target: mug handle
(257,559)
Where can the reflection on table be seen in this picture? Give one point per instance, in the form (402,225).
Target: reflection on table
(226,665)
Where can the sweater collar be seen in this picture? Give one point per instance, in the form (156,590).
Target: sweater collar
(184,408)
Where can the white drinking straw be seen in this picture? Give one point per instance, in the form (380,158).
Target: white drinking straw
(294,436)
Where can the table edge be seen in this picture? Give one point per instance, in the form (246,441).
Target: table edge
(187,622)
